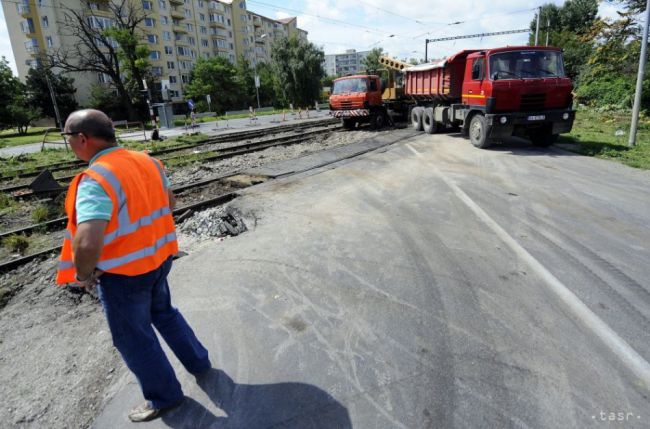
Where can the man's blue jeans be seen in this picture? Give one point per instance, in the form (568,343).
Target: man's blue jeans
(132,305)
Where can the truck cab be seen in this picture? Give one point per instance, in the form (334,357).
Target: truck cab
(518,91)
(357,99)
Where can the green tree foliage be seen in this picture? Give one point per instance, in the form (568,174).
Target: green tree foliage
(217,77)
(39,93)
(609,79)
(14,111)
(299,68)
(568,27)
(371,61)
(10,88)
(245,78)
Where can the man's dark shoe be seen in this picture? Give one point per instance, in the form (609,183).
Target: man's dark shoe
(146,411)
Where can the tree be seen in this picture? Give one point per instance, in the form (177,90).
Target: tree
(371,61)
(633,6)
(245,77)
(111,47)
(13,109)
(299,69)
(568,27)
(217,77)
(39,92)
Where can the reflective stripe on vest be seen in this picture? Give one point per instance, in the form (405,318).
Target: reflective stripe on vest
(107,264)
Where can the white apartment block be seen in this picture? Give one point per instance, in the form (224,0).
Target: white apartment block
(177,32)
(345,64)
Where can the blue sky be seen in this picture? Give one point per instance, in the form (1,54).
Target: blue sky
(400,27)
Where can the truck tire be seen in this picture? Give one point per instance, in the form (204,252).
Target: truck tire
(377,120)
(349,123)
(429,123)
(416,118)
(478,132)
(544,139)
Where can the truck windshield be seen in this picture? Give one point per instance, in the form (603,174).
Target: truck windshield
(358,84)
(526,65)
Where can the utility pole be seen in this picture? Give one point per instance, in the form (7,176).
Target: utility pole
(548,29)
(639,79)
(53,97)
(539,12)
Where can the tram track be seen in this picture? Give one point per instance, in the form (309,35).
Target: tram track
(22,192)
(34,171)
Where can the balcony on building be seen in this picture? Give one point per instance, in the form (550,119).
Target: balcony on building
(177,1)
(23,8)
(257,21)
(177,12)
(31,46)
(179,27)
(217,24)
(216,6)
(27,26)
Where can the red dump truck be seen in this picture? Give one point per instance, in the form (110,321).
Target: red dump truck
(488,94)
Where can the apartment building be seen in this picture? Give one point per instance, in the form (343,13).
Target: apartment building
(344,64)
(178,32)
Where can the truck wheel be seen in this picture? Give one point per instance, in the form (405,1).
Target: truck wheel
(377,120)
(544,139)
(349,124)
(416,118)
(429,122)
(478,132)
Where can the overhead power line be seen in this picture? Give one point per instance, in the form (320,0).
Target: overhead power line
(471,36)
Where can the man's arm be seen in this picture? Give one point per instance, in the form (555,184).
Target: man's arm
(87,246)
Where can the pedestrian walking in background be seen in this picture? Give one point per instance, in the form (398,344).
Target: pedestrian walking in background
(121,238)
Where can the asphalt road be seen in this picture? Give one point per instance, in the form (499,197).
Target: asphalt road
(425,285)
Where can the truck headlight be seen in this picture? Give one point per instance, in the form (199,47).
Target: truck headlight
(565,116)
(503,120)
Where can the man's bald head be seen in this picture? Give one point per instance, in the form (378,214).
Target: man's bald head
(93,123)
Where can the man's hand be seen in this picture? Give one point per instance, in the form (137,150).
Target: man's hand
(91,281)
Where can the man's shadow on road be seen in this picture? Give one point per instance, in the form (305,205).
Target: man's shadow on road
(253,406)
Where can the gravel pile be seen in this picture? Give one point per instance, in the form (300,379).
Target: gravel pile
(214,222)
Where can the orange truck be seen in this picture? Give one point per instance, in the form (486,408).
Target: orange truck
(488,94)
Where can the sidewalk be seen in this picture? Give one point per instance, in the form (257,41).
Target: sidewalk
(209,128)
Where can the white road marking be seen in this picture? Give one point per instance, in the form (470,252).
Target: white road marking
(633,360)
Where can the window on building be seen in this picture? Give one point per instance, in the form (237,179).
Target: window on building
(232,46)
(201,17)
(152,38)
(191,40)
(185,78)
(146,5)
(157,71)
(103,78)
(162,4)
(154,55)
(49,42)
(170,65)
(169,50)
(204,30)
(167,35)
(164,20)
(172,79)
(45,22)
(204,43)
(189,27)
(229,24)
(242,5)
(201,3)
(206,55)
(188,13)
(149,22)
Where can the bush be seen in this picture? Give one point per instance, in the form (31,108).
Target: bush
(41,214)
(16,243)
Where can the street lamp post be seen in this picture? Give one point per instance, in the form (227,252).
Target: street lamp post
(257,78)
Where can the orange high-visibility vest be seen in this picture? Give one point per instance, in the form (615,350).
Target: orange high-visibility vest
(140,235)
